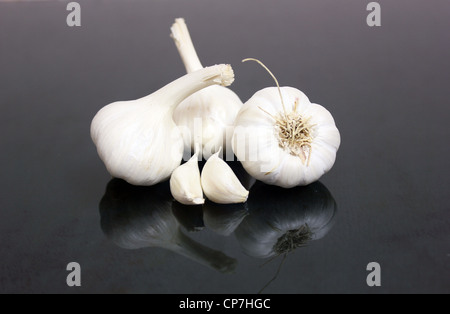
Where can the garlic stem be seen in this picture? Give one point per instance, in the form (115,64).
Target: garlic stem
(183,41)
(176,91)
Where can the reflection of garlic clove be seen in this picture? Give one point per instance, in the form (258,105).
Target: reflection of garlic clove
(139,217)
(220,184)
(190,217)
(224,219)
(281,220)
(185,183)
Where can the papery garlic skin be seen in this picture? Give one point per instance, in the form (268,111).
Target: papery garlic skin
(258,145)
(220,184)
(208,114)
(138,140)
(185,183)
(133,151)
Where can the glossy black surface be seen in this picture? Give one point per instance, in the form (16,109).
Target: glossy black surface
(386,87)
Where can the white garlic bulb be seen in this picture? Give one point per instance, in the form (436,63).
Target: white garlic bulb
(185,184)
(207,116)
(282,220)
(220,184)
(138,140)
(135,217)
(283,139)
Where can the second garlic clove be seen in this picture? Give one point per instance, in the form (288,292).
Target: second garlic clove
(220,184)
(185,184)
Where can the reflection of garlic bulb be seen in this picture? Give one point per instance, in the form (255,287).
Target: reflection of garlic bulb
(138,217)
(280,220)
(224,219)
(206,115)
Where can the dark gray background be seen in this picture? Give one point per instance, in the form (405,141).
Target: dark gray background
(387,88)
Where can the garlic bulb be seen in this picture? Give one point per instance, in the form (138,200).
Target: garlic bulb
(138,140)
(135,217)
(283,139)
(220,184)
(185,183)
(207,116)
(281,220)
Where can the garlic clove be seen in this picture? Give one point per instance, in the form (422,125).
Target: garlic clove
(185,183)
(220,184)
